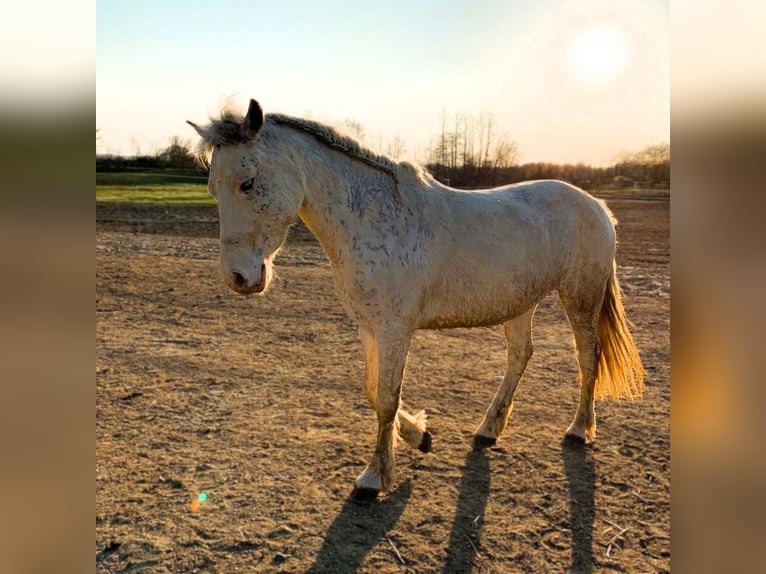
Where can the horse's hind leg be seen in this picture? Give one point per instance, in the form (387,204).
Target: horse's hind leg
(412,428)
(518,337)
(584,317)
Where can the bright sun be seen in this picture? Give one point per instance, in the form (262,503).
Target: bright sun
(597,55)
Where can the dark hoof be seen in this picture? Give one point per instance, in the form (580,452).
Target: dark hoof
(363,494)
(425,444)
(481,441)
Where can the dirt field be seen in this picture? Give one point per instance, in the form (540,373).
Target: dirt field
(258,402)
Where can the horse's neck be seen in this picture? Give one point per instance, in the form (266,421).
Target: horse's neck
(338,189)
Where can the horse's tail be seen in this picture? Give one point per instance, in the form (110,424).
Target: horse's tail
(620,372)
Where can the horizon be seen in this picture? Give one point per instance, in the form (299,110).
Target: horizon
(567,81)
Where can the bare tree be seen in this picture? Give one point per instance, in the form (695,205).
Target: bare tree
(466,118)
(472,150)
(506,153)
(653,154)
(178,153)
(356,128)
(443,144)
(395,147)
(651,164)
(135,146)
(490,122)
(455,142)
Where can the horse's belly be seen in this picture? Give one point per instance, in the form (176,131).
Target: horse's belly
(454,321)
(479,306)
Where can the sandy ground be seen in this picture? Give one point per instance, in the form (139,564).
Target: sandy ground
(258,403)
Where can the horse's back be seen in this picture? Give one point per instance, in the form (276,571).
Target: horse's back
(533,221)
(504,249)
(547,200)
(574,227)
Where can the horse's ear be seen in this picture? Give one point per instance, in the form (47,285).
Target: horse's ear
(253,121)
(198,129)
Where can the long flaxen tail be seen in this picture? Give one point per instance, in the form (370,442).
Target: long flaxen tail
(620,372)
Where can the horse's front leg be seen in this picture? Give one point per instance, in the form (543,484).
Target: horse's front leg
(392,344)
(412,427)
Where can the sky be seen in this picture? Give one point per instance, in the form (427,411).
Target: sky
(568,80)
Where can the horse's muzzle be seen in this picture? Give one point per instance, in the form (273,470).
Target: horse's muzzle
(240,284)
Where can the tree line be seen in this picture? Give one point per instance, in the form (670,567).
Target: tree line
(631,169)
(470,151)
(178,154)
(474,151)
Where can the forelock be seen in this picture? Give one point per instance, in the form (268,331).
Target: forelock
(221,131)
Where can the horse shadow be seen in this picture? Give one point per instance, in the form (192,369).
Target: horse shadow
(580,470)
(357,529)
(465,536)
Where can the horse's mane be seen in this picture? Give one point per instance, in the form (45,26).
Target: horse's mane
(226,130)
(343,143)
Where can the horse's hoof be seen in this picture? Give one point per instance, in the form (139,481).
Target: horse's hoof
(481,441)
(425,443)
(363,494)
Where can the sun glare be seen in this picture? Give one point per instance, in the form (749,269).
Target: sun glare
(597,55)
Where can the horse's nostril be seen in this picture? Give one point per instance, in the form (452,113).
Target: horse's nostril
(239,280)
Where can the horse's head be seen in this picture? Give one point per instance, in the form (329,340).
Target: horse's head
(256,206)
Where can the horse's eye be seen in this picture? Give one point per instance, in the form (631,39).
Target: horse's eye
(247,185)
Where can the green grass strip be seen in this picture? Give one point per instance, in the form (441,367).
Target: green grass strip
(172,194)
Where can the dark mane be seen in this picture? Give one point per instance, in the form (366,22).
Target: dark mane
(227,130)
(344,144)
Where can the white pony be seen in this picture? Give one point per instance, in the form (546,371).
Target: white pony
(410,253)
